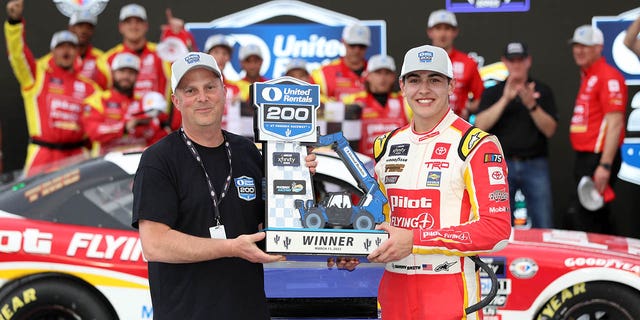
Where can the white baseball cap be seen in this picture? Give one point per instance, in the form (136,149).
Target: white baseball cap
(381,61)
(125,60)
(251,49)
(356,34)
(442,16)
(133,10)
(191,61)
(154,103)
(83,16)
(587,35)
(296,64)
(216,40)
(427,58)
(64,36)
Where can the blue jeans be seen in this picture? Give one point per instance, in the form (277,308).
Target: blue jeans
(531,176)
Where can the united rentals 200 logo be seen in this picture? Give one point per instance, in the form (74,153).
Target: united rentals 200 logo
(286,109)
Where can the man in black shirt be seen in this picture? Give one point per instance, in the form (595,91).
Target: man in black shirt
(198,205)
(521,112)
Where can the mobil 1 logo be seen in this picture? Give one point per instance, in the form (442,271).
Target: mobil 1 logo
(286,110)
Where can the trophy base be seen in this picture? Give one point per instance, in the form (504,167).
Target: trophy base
(323,241)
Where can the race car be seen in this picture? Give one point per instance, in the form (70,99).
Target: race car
(67,251)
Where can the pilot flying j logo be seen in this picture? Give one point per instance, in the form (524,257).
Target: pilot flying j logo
(286,109)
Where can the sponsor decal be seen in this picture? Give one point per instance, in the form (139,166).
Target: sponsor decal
(499,195)
(425,56)
(496,176)
(440,150)
(286,159)
(497,264)
(50,186)
(557,302)
(246,188)
(499,209)
(601,262)
(393,179)
(504,286)
(433,179)
(447,235)
(523,268)
(410,203)
(445,266)
(422,221)
(289,187)
(439,165)
(393,167)
(88,245)
(397,159)
(399,150)
(492,157)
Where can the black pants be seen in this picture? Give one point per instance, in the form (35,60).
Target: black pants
(577,216)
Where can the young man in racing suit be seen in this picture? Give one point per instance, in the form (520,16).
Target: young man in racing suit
(154,72)
(448,199)
(52,91)
(115,119)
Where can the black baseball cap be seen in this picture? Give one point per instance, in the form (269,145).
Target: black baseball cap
(515,50)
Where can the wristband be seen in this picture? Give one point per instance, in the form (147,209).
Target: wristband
(605,165)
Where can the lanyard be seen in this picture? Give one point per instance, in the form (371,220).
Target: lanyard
(214,199)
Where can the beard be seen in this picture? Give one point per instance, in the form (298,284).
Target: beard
(127,90)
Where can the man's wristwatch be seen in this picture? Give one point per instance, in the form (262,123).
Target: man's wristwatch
(605,165)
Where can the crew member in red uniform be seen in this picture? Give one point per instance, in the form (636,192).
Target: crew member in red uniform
(115,119)
(442,29)
(52,91)
(154,72)
(597,126)
(83,25)
(220,48)
(382,109)
(446,183)
(344,75)
(250,57)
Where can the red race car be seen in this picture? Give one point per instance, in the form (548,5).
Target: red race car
(67,251)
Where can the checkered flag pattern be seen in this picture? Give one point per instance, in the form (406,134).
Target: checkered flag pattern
(281,212)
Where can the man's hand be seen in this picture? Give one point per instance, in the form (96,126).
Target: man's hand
(245,247)
(15,9)
(310,160)
(398,246)
(510,90)
(528,94)
(175,24)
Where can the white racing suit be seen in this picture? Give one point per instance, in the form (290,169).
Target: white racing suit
(450,187)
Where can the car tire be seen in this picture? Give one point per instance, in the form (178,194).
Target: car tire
(52,296)
(593,300)
(314,220)
(363,221)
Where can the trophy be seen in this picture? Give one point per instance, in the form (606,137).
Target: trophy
(285,122)
(69,7)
